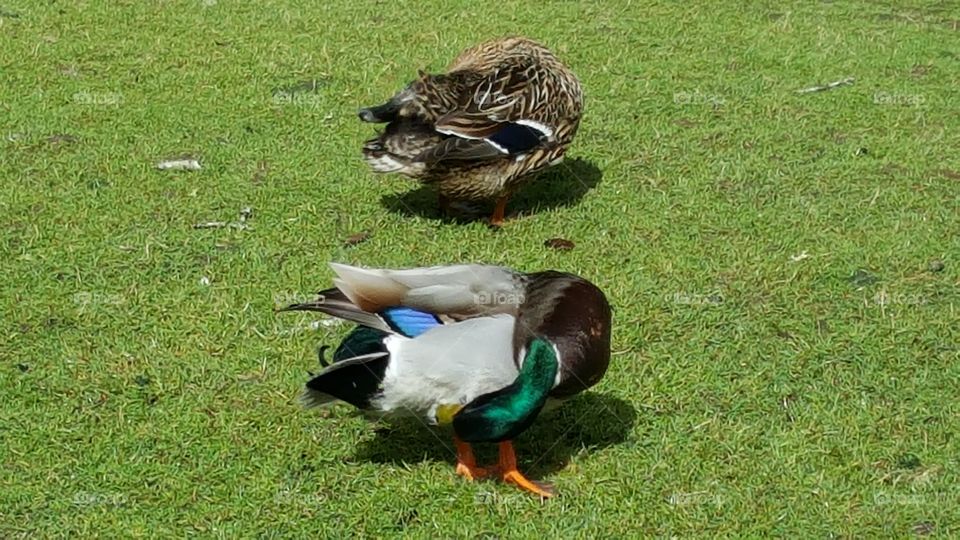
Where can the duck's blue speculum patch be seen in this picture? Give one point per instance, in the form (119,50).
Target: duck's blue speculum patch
(516,138)
(409,322)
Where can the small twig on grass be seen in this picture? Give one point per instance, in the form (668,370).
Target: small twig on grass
(799,257)
(245,214)
(220,225)
(210,225)
(179,165)
(829,86)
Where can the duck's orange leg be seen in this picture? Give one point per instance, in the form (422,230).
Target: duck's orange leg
(510,474)
(496,220)
(466,463)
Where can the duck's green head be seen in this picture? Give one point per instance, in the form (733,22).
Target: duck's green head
(505,413)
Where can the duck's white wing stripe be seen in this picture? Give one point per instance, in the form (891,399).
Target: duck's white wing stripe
(542,128)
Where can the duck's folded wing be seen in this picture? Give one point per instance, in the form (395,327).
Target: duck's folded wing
(496,140)
(400,320)
(450,364)
(456,291)
(499,114)
(458,149)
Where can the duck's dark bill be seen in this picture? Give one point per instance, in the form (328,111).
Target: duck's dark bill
(381,113)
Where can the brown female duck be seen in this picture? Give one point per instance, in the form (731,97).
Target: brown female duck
(504,110)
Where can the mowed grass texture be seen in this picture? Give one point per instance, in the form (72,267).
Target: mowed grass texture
(783,268)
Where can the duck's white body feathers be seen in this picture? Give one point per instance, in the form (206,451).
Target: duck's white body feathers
(450,364)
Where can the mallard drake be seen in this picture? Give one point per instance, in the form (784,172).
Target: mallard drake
(505,110)
(479,348)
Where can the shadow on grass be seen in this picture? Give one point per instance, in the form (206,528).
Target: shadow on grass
(587,423)
(562,185)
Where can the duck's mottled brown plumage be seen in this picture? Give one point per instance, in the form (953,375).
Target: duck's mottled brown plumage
(504,110)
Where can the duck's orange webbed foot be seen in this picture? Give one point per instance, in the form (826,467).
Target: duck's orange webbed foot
(510,474)
(467,464)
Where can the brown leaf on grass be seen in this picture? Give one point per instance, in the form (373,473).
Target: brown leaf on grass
(70,70)
(559,244)
(61,138)
(308,85)
(953,175)
(357,238)
(823,327)
(260,174)
(892,169)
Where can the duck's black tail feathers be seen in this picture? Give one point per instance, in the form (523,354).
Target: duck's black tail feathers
(355,381)
(356,374)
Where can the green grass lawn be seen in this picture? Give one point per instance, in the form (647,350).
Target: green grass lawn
(783,268)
